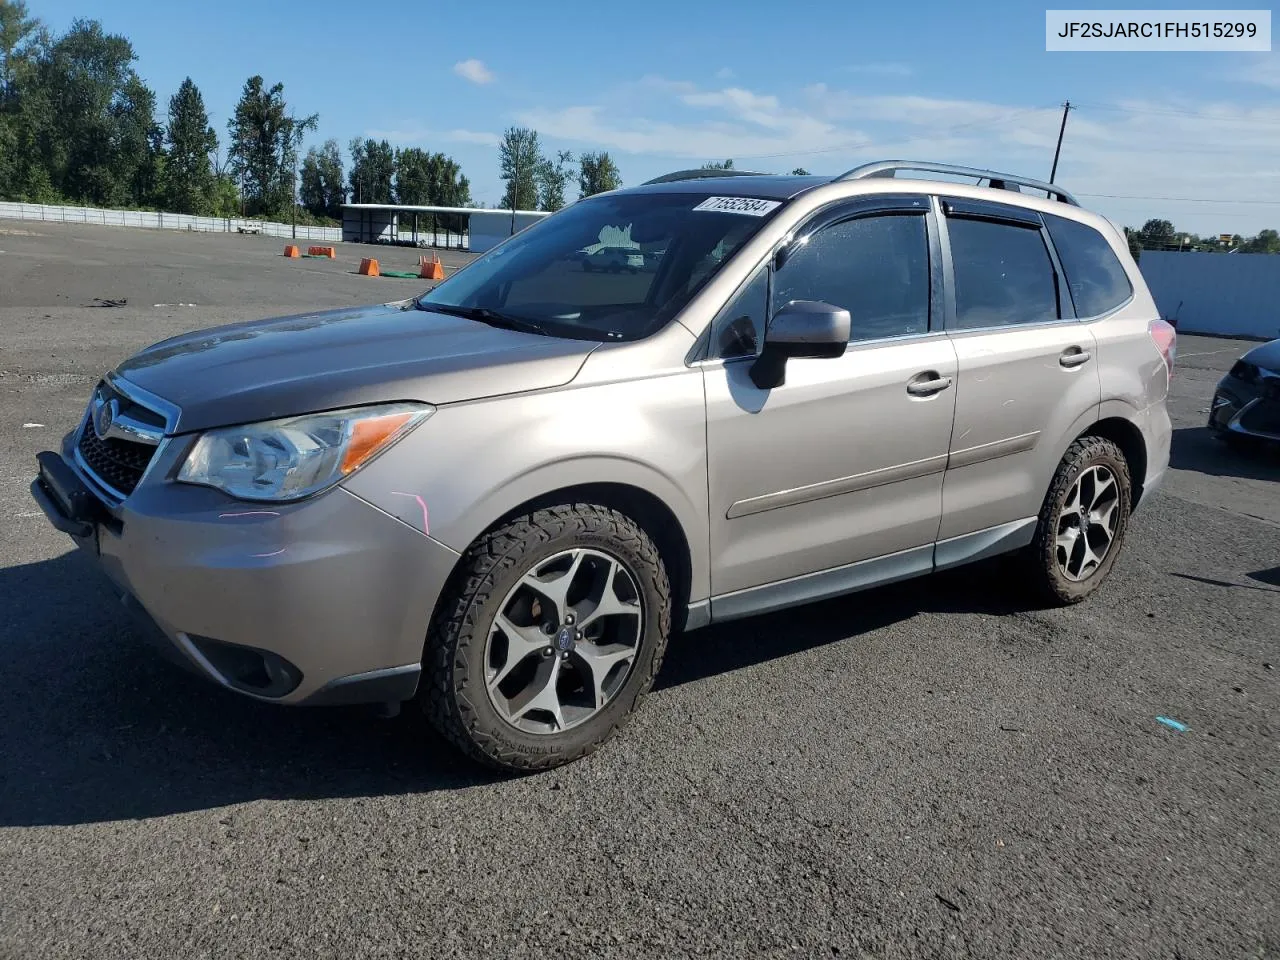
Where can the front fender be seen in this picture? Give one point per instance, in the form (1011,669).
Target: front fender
(473,462)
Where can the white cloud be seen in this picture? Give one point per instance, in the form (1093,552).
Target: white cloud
(473,70)
(411,135)
(725,73)
(473,136)
(1262,70)
(1146,148)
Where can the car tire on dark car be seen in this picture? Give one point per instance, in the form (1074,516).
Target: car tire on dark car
(1082,523)
(551,632)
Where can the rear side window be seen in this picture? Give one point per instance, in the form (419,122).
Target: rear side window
(1003,274)
(1095,277)
(876,267)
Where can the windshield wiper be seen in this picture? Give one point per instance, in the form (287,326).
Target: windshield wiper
(493,318)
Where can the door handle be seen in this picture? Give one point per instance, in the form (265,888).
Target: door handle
(927,384)
(1074,357)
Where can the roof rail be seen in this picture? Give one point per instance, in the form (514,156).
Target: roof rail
(999,181)
(699,174)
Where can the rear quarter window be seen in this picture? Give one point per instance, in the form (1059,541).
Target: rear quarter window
(1095,276)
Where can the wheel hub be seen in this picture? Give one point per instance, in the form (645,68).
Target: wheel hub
(567,637)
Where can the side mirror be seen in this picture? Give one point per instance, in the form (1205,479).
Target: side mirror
(802,329)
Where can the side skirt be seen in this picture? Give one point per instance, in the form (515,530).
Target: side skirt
(865,574)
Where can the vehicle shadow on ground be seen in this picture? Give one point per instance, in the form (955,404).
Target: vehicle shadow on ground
(986,587)
(1197,449)
(95,726)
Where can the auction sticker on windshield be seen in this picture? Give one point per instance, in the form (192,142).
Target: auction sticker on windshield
(748,205)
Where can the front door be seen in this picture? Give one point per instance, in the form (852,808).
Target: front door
(844,461)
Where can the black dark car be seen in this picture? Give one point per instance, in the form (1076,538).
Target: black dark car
(1246,402)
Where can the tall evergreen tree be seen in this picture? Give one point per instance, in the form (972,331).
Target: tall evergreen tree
(519,155)
(189,181)
(597,173)
(265,138)
(373,170)
(322,191)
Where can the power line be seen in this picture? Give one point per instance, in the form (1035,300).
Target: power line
(1179,113)
(1118,196)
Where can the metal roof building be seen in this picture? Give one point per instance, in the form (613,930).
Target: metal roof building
(458,228)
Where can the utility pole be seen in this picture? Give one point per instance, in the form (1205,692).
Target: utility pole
(1066,107)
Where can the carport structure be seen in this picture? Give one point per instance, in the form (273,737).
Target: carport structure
(457,228)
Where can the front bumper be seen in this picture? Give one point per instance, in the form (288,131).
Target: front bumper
(1248,410)
(319,602)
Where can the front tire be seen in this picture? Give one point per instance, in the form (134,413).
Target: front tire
(1082,522)
(549,636)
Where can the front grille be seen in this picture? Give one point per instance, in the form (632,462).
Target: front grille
(117,463)
(1264,417)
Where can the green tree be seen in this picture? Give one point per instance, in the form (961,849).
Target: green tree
(373,171)
(1267,241)
(718,165)
(597,173)
(553,178)
(1135,243)
(22,40)
(89,121)
(413,177)
(16,30)
(189,180)
(264,141)
(519,155)
(430,179)
(800,172)
(323,192)
(226,200)
(1161,230)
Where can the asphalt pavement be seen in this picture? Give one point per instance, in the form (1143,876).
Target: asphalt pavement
(933,769)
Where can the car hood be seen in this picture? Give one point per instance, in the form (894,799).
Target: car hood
(337,358)
(1266,356)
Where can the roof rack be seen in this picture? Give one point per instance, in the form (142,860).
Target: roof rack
(999,181)
(699,174)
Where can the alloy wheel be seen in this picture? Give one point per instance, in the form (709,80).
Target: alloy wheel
(1086,523)
(564,641)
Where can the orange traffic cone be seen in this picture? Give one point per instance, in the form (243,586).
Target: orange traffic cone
(369,268)
(291,251)
(431,270)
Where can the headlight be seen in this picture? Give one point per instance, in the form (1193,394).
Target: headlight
(294,458)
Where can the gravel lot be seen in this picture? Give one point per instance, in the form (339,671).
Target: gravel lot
(927,770)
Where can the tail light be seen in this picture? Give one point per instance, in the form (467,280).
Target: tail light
(1166,341)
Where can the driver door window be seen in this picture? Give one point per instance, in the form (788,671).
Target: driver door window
(876,267)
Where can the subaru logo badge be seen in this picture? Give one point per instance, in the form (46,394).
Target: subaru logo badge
(564,639)
(105,417)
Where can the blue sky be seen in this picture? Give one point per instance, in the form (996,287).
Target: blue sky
(664,85)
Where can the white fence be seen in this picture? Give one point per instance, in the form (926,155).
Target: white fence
(52,213)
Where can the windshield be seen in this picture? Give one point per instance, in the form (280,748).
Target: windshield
(607,268)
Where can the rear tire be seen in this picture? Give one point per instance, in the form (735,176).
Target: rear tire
(471,662)
(1082,522)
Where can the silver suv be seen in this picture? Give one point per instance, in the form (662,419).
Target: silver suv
(500,498)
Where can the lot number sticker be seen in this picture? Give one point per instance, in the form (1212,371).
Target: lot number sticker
(747,205)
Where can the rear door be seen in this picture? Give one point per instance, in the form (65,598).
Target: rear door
(1028,373)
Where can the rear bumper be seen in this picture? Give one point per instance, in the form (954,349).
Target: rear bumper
(321,602)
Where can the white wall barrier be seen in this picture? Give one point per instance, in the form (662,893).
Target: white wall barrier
(56,213)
